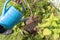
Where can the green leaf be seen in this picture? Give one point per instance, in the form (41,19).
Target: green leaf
(54,24)
(44,24)
(56,36)
(46,32)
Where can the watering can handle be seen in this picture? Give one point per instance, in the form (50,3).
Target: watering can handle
(22,8)
(5,10)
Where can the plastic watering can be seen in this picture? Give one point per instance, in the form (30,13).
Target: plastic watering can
(10,16)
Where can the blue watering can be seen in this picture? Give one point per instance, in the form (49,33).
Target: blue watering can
(10,16)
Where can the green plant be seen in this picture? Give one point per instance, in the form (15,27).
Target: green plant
(49,25)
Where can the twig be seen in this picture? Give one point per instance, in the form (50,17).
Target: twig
(26,3)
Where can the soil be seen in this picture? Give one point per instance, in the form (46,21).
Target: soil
(31,24)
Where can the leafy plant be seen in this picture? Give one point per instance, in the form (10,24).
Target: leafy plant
(49,24)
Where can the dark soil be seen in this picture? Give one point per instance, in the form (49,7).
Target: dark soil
(30,25)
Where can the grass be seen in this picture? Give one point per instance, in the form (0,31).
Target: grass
(1,5)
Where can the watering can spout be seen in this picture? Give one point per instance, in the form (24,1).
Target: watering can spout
(4,8)
(24,19)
